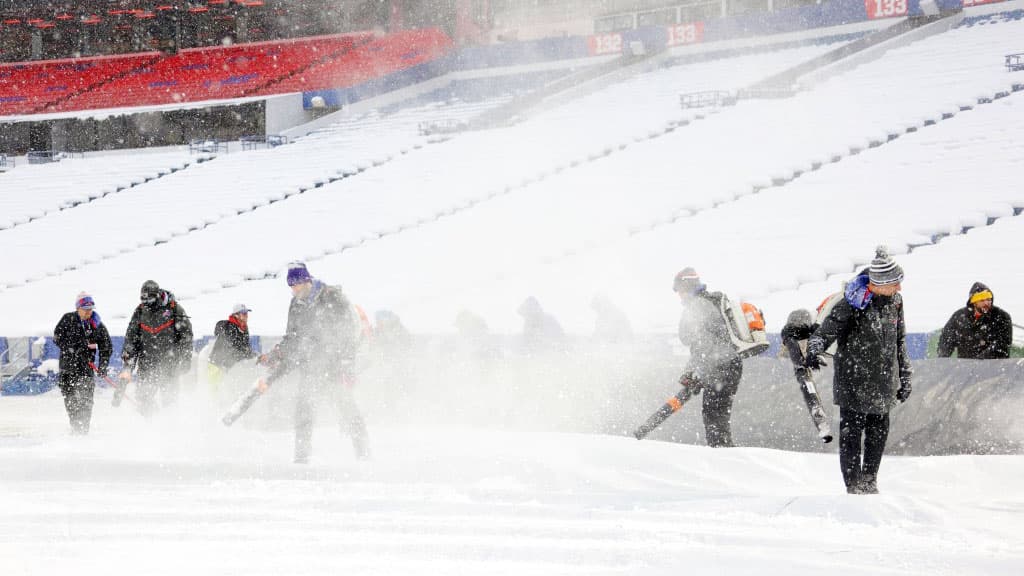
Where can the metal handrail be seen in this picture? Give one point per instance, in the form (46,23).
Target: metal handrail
(706,98)
(445,126)
(207,145)
(1015,62)
(254,141)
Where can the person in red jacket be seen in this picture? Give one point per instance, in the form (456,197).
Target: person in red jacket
(231,344)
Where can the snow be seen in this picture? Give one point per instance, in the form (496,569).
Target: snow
(573,200)
(182,496)
(611,193)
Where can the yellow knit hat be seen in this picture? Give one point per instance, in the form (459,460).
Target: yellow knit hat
(979,296)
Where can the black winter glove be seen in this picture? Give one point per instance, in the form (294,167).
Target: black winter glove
(688,380)
(814,362)
(904,392)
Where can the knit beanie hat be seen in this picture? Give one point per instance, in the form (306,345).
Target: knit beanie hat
(979,292)
(149,287)
(687,280)
(84,301)
(884,270)
(297,274)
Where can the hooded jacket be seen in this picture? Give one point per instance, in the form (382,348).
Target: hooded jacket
(973,335)
(231,344)
(159,338)
(871,360)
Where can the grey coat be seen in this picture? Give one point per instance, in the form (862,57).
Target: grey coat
(702,328)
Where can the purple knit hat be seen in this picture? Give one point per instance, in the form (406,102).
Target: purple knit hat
(297,274)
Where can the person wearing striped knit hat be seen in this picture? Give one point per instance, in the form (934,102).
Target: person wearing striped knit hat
(872,368)
(978,330)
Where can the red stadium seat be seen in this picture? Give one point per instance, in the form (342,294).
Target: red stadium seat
(390,53)
(29,87)
(200,74)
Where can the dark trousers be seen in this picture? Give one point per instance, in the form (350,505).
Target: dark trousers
(857,427)
(718,390)
(151,382)
(78,394)
(351,420)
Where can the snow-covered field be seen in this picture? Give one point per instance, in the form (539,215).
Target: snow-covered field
(186,496)
(610,194)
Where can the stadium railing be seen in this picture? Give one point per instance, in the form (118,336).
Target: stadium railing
(48,156)
(706,98)
(207,146)
(1015,62)
(254,141)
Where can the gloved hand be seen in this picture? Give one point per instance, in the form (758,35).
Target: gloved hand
(814,362)
(690,380)
(102,372)
(262,360)
(905,389)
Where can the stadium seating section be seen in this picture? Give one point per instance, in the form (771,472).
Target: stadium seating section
(30,87)
(212,73)
(393,52)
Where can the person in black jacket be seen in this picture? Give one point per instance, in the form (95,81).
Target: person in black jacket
(872,369)
(541,331)
(714,367)
(978,330)
(232,339)
(320,344)
(81,337)
(157,345)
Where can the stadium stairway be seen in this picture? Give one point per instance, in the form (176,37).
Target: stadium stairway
(774,182)
(621,66)
(860,51)
(925,100)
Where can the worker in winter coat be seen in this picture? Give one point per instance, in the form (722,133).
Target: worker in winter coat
(84,343)
(872,368)
(320,345)
(157,347)
(978,330)
(715,368)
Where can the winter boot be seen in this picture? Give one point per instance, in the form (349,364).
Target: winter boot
(868,484)
(851,477)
